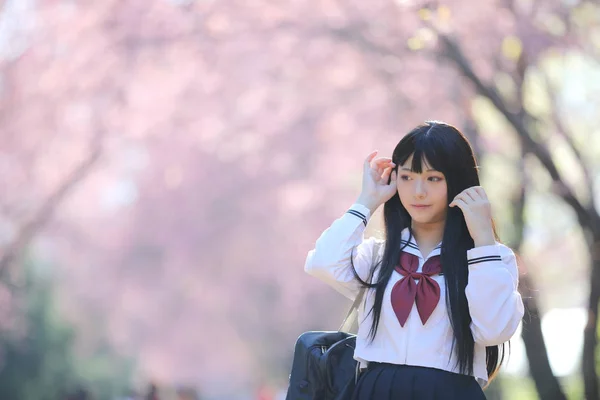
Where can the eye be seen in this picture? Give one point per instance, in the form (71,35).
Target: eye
(404,177)
(435,178)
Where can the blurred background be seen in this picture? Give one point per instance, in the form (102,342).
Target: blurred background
(166,165)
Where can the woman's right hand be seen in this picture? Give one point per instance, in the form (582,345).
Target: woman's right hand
(375,187)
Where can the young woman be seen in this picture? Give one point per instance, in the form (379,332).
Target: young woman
(442,295)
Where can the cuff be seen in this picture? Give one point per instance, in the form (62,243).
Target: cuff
(360,211)
(483,254)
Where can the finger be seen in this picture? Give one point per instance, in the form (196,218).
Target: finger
(460,203)
(381,167)
(481,192)
(384,162)
(470,195)
(393,177)
(473,193)
(377,176)
(374,174)
(381,160)
(386,174)
(370,158)
(462,196)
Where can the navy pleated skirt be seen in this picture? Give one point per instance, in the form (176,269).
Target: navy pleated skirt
(383,381)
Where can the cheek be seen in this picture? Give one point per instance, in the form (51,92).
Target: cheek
(402,194)
(403,190)
(442,194)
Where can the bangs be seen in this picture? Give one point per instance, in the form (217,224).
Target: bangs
(426,150)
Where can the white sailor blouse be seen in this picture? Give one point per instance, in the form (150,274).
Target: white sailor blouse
(419,334)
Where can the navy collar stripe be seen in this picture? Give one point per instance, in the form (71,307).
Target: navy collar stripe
(415,246)
(406,241)
(409,244)
(412,245)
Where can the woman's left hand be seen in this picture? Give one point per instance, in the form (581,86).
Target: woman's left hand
(477,211)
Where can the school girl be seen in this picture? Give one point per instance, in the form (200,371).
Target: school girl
(442,295)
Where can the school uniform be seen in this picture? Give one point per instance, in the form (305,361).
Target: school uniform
(411,356)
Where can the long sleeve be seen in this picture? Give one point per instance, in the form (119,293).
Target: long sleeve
(329,261)
(495,305)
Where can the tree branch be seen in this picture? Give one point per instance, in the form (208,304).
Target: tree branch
(452,51)
(588,218)
(562,131)
(28,230)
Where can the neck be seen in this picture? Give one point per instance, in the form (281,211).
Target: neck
(429,234)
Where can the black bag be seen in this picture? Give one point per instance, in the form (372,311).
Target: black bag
(324,367)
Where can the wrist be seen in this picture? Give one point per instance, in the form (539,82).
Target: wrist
(487,240)
(367,203)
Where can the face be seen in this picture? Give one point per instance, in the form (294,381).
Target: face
(424,195)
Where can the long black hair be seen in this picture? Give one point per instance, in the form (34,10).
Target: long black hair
(446,149)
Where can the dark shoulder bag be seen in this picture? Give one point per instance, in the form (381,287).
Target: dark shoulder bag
(324,367)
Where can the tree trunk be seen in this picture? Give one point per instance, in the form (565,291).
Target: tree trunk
(587,216)
(590,338)
(547,385)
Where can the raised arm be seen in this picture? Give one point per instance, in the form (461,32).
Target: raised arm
(330,260)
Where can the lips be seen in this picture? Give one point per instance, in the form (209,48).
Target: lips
(420,206)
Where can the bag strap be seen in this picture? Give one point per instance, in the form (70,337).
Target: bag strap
(353,311)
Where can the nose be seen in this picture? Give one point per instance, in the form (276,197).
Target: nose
(420,189)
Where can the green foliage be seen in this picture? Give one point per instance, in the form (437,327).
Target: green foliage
(41,364)
(105,374)
(573,386)
(518,388)
(598,349)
